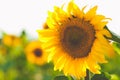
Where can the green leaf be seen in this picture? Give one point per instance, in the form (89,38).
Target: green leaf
(102,76)
(116,47)
(62,78)
(114,37)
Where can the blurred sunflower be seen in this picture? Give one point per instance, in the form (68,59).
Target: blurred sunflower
(76,40)
(2,50)
(11,40)
(35,53)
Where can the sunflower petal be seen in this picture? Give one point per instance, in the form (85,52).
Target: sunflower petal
(91,13)
(45,32)
(74,10)
(94,67)
(100,25)
(97,18)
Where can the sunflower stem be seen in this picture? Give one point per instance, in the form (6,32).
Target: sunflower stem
(87,75)
(114,37)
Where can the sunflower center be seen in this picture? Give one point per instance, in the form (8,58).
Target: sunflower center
(38,52)
(77,40)
(73,36)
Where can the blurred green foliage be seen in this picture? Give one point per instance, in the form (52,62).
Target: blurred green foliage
(14,65)
(112,67)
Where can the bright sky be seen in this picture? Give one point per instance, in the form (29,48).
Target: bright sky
(16,15)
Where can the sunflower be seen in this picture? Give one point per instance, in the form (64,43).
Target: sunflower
(76,40)
(2,50)
(11,40)
(35,53)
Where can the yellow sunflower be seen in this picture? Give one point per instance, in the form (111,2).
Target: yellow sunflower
(76,40)
(11,40)
(35,53)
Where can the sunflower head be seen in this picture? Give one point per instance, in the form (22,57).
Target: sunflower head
(76,40)
(11,40)
(35,53)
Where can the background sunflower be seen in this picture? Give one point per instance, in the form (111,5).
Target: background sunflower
(11,40)
(35,54)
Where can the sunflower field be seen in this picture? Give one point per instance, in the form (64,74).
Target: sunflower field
(73,45)
(17,64)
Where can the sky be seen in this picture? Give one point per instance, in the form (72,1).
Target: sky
(30,15)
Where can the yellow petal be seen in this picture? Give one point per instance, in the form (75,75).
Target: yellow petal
(106,33)
(91,13)
(97,18)
(45,32)
(93,66)
(66,66)
(100,58)
(100,25)
(60,62)
(49,44)
(74,10)
(51,20)
(81,69)
(105,45)
(61,14)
